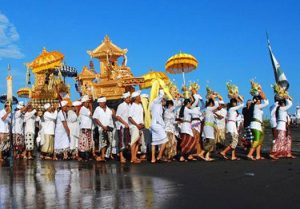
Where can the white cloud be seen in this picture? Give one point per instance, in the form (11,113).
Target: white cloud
(8,38)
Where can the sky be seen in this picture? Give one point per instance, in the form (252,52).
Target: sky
(228,38)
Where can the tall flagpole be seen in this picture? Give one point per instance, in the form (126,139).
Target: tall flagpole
(9,98)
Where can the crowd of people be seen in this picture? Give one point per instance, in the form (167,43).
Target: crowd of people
(182,129)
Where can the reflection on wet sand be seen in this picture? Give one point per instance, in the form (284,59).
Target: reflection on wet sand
(48,184)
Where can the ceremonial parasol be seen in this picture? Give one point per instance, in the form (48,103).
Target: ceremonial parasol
(181,63)
(24,92)
(151,76)
(45,61)
(3,99)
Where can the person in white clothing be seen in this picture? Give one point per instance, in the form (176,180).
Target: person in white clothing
(159,135)
(122,123)
(86,143)
(62,133)
(171,129)
(103,118)
(18,131)
(188,142)
(273,122)
(209,124)
(256,125)
(136,125)
(282,146)
(232,127)
(197,120)
(49,119)
(29,119)
(221,114)
(73,123)
(5,115)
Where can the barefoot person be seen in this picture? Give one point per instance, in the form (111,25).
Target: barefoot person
(197,119)
(209,125)
(103,119)
(159,135)
(172,132)
(188,142)
(282,146)
(136,124)
(221,114)
(50,116)
(123,126)
(29,119)
(86,143)
(231,127)
(73,123)
(18,131)
(256,125)
(62,133)
(5,115)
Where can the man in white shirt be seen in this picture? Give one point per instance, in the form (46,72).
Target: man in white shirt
(29,119)
(122,125)
(103,119)
(73,123)
(86,143)
(5,115)
(49,118)
(220,124)
(62,132)
(18,130)
(136,119)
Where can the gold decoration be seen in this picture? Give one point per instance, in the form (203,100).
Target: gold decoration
(280,92)
(152,75)
(210,93)
(113,79)
(45,61)
(186,92)
(233,91)
(255,88)
(194,86)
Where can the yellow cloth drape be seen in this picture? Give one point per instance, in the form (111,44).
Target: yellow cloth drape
(156,85)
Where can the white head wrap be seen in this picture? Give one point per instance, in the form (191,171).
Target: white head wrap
(101,99)
(85,98)
(76,103)
(47,105)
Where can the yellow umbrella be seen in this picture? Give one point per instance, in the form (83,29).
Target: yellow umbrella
(181,63)
(24,92)
(45,61)
(151,76)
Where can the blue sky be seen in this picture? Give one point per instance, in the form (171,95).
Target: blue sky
(227,37)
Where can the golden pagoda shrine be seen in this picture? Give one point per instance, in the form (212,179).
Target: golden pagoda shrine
(49,84)
(114,79)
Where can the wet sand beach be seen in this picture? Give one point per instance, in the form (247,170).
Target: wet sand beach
(220,184)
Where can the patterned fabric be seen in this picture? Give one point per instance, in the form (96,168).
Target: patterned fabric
(283,144)
(19,142)
(209,145)
(171,146)
(29,141)
(248,134)
(220,135)
(105,139)
(187,144)
(86,143)
(48,146)
(232,140)
(124,138)
(4,142)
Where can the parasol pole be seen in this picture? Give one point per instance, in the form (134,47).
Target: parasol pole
(183,76)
